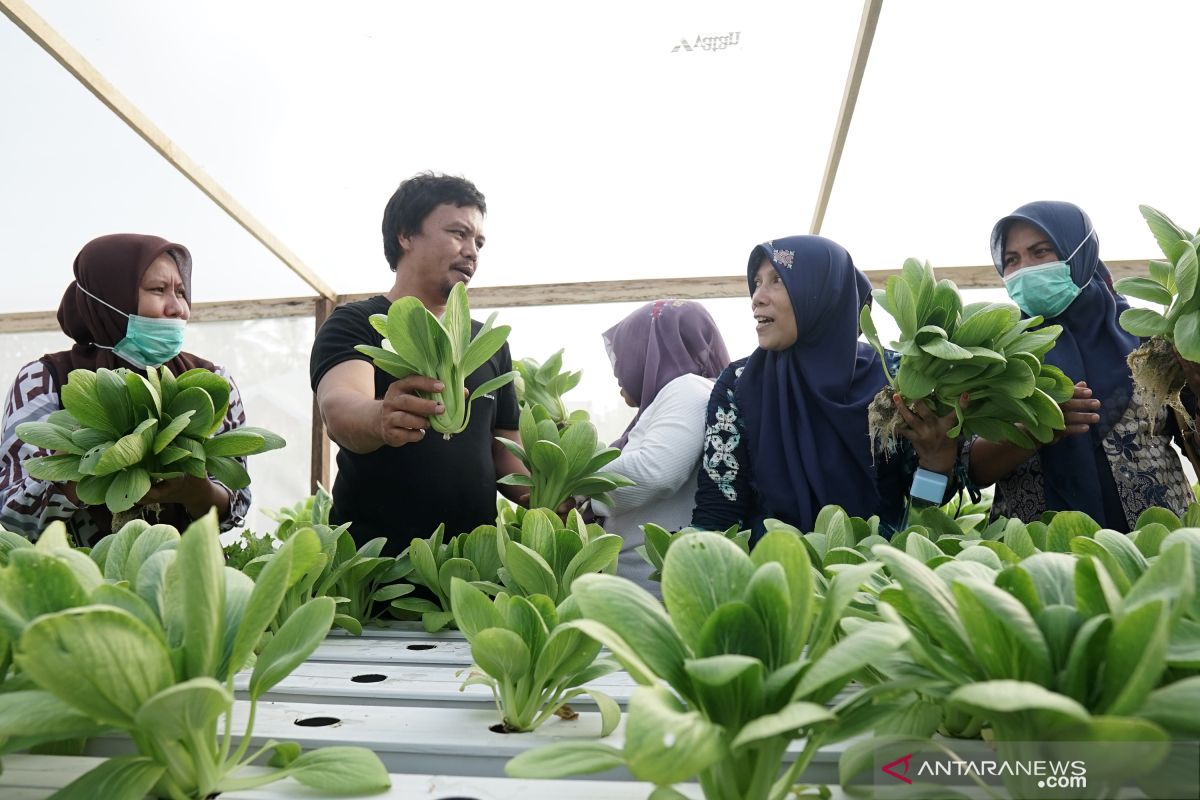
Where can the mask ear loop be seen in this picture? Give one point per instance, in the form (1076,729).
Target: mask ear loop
(1075,252)
(102,302)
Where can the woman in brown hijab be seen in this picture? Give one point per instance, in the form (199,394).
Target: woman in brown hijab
(127,307)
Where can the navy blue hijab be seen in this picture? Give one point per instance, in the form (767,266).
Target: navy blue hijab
(805,408)
(1092,348)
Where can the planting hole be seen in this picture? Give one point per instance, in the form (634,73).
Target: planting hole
(369,678)
(317,722)
(498,728)
(421,646)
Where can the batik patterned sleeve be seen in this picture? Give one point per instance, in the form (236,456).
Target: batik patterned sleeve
(235,417)
(724,496)
(28,505)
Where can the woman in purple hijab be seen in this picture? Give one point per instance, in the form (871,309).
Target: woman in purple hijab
(665,356)
(786,429)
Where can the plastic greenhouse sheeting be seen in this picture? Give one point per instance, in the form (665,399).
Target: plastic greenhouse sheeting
(617,141)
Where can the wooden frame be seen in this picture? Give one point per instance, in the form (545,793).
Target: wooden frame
(61,50)
(858,65)
(547,294)
(319,307)
(537,295)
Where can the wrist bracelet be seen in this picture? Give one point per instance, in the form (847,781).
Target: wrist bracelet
(929,486)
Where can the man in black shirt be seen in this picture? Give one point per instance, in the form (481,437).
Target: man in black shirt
(393,479)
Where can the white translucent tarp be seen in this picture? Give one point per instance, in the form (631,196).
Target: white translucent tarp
(269,361)
(610,142)
(625,140)
(606,148)
(969,110)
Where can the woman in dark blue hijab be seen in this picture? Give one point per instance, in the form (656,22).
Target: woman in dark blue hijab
(787,427)
(1111,462)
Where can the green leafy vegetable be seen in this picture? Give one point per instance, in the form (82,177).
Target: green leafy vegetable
(1171,284)
(532,663)
(544,385)
(157,663)
(119,433)
(432,564)
(561,464)
(535,553)
(1060,620)
(370,581)
(326,564)
(542,555)
(248,547)
(747,649)
(658,541)
(1052,631)
(415,342)
(983,350)
(310,511)
(361,581)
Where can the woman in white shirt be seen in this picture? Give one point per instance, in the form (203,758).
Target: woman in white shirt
(665,356)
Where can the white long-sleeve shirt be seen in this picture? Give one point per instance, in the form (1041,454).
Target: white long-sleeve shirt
(662,457)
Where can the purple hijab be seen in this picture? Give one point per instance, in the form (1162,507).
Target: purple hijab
(658,343)
(805,408)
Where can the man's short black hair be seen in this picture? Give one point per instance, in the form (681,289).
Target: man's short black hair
(416,198)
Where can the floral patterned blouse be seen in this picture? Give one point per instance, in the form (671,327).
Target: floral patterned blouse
(725,493)
(1145,468)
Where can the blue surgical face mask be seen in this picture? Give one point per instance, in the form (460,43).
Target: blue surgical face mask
(1045,290)
(149,341)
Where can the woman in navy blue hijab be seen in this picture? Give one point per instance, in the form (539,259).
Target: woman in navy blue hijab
(1111,462)
(787,427)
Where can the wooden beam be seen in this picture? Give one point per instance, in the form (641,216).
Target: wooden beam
(632,291)
(592,292)
(228,311)
(552,294)
(220,311)
(319,471)
(49,40)
(858,65)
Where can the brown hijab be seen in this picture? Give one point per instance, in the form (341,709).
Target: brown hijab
(111,268)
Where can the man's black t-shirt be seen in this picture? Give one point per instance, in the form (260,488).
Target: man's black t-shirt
(405,492)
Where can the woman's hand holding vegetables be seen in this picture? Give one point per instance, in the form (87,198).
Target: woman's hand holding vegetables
(403,414)
(936,450)
(992,461)
(196,495)
(1080,413)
